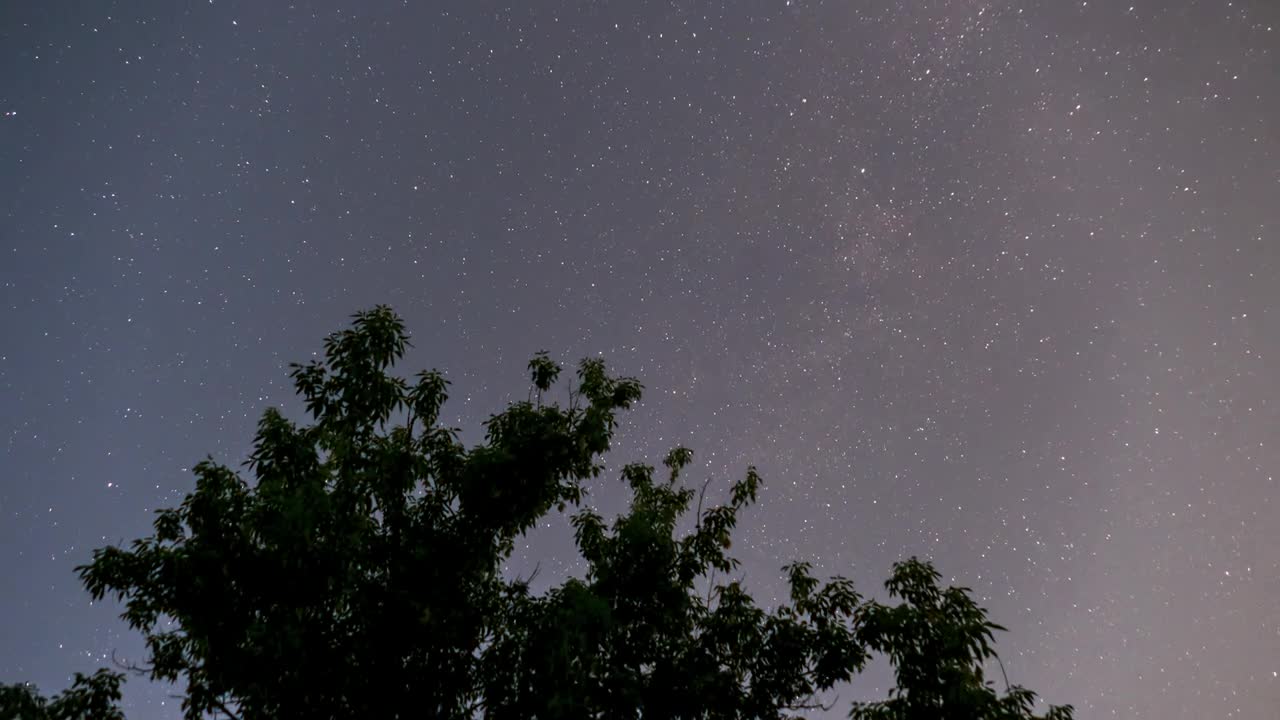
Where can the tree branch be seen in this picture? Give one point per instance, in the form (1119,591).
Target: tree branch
(225,711)
(128,666)
(698,514)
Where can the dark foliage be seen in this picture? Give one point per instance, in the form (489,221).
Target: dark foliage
(91,697)
(358,575)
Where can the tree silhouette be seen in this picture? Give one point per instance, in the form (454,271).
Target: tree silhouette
(90,697)
(359,575)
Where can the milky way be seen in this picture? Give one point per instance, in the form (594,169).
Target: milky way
(993,283)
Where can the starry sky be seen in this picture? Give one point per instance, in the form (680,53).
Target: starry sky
(986,281)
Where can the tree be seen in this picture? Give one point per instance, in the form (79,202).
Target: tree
(90,697)
(360,576)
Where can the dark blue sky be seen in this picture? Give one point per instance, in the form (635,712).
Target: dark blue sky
(989,282)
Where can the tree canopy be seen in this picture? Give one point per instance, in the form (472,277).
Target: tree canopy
(358,573)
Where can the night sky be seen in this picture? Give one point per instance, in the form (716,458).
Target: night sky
(994,283)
